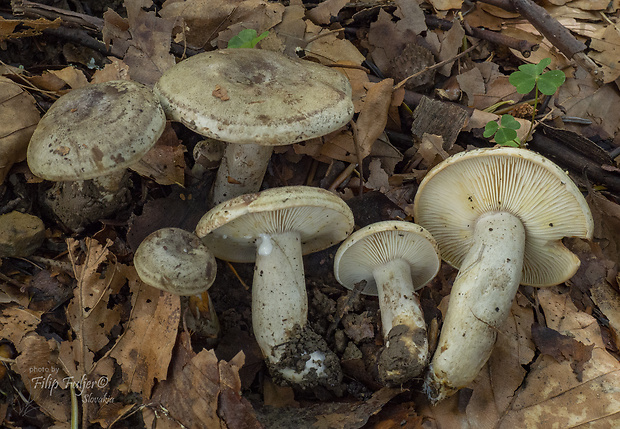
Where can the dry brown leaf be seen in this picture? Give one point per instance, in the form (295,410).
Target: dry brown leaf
(144,350)
(583,98)
(116,70)
(196,389)
(290,31)
(353,416)
(16,322)
(27,27)
(43,377)
(18,119)
(88,312)
(562,347)
(553,395)
(143,40)
(164,162)
(378,179)
(446,4)
(72,76)
(607,52)
(323,12)
(203,20)
(450,46)
(371,121)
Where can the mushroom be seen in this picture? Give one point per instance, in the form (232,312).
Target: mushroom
(88,138)
(253,99)
(176,261)
(395,258)
(273,229)
(498,215)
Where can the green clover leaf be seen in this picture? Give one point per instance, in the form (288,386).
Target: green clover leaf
(505,132)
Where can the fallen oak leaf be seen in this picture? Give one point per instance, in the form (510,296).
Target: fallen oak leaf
(562,347)
(18,118)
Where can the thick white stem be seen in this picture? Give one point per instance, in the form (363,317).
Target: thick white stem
(480,302)
(241,171)
(406,345)
(279,300)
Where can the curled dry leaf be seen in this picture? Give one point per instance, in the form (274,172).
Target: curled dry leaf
(18,119)
(165,162)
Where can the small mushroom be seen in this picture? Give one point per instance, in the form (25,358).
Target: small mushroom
(273,229)
(86,141)
(499,216)
(395,258)
(176,261)
(253,99)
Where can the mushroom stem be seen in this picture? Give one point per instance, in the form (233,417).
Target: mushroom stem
(279,300)
(295,354)
(406,344)
(241,171)
(480,302)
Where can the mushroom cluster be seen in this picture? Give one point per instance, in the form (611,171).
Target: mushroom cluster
(499,216)
(254,100)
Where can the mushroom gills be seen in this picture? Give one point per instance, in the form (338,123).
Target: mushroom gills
(480,302)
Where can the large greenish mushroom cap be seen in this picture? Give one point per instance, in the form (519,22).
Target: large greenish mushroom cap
(95,130)
(255,96)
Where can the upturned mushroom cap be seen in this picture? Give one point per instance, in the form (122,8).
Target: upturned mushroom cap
(231,229)
(255,96)
(176,261)
(382,242)
(457,191)
(95,130)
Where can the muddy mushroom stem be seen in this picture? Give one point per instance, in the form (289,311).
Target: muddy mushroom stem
(273,229)
(499,216)
(87,140)
(395,258)
(254,100)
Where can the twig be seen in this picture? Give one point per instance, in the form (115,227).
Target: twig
(342,176)
(526,48)
(558,35)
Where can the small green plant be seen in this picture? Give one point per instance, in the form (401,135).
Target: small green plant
(505,132)
(247,38)
(529,77)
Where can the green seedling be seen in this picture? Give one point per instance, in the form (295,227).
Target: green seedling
(247,38)
(505,132)
(529,77)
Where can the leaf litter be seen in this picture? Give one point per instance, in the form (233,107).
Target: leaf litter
(556,358)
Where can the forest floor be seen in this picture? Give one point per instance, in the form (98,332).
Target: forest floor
(427,77)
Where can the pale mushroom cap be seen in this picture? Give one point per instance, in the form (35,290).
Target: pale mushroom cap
(176,261)
(379,243)
(232,228)
(255,96)
(518,181)
(95,130)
